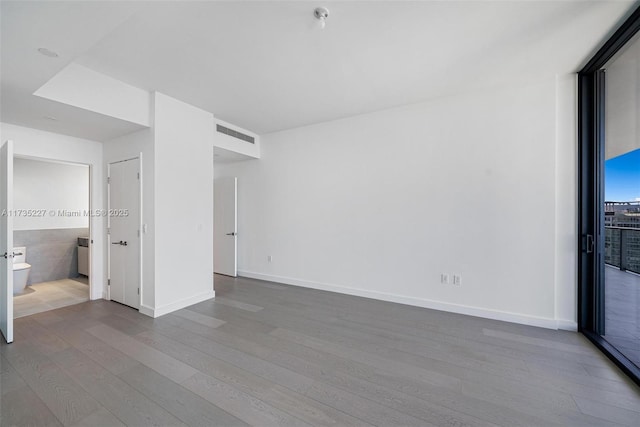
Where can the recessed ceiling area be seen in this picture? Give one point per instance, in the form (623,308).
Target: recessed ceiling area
(266,66)
(68,29)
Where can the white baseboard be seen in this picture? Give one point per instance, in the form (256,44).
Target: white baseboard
(523,319)
(174,306)
(567,325)
(146,310)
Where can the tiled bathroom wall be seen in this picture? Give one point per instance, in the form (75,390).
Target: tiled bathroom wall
(53,254)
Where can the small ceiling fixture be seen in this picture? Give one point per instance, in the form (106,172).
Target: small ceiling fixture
(47,52)
(321,14)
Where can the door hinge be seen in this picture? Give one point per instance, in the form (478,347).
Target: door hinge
(138,291)
(138,175)
(108,180)
(138,233)
(108,282)
(109,230)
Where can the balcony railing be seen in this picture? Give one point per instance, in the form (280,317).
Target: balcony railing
(622,248)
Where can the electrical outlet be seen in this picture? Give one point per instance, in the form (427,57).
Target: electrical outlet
(444,278)
(269,258)
(457,280)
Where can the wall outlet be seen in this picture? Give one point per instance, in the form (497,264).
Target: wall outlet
(269,258)
(444,278)
(457,280)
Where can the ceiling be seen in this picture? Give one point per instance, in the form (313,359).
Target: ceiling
(266,65)
(69,29)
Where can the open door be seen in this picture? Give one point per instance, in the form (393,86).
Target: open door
(6,241)
(225,227)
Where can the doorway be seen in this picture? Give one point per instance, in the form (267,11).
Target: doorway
(609,263)
(225,226)
(124,230)
(8,216)
(50,235)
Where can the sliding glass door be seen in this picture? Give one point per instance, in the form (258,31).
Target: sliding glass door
(610,198)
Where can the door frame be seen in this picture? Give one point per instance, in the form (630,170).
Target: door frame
(91,207)
(591,104)
(141,230)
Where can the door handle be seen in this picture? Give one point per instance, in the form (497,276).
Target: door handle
(232,234)
(588,243)
(7,255)
(121,243)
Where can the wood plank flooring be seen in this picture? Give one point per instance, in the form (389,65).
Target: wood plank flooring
(267,354)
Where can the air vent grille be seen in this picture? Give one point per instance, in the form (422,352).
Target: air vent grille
(235,134)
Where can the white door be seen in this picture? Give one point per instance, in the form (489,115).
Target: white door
(225,231)
(124,235)
(6,241)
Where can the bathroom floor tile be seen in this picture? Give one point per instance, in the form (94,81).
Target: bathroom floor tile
(47,296)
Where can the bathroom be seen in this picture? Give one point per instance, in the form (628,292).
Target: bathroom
(51,225)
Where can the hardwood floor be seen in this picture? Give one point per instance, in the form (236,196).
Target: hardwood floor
(266,354)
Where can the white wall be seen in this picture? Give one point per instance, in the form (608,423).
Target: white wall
(46,145)
(177,195)
(50,188)
(183,150)
(139,144)
(381,204)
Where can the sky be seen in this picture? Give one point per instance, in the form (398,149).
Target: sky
(622,178)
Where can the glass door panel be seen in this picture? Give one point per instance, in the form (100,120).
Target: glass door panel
(621,227)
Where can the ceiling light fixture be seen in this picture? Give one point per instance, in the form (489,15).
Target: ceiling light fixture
(321,14)
(53,119)
(47,52)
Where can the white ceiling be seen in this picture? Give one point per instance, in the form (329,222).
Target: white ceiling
(266,66)
(68,28)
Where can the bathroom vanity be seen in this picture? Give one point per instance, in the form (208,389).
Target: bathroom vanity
(83,256)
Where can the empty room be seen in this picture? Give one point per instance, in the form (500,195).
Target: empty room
(327,213)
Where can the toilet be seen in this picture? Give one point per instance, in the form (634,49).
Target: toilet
(20,269)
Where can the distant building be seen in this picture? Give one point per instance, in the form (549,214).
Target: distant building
(622,214)
(622,235)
